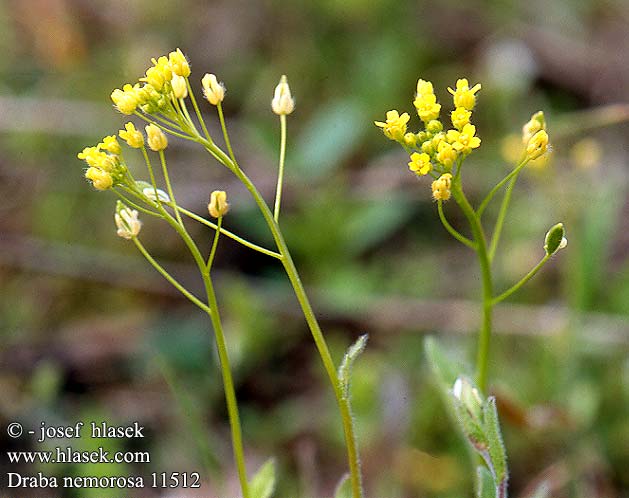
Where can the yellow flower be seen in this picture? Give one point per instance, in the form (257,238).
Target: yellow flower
(159,73)
(420,163)
(213,91)
(132,136)
(427,107)
(460,117)
(125,100)
(283,102)
(464,141)
(155,137)
(179,63)
(96,158)
(441,187)
(395,126)
(155,78)
(179,86)
(446,154)
(218,205)
(538,145)
(464,96)
(110,144)
(101,180)
(424,88)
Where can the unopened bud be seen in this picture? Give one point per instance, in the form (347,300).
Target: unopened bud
(180,88)
(535,124)
(218,205)
(538,145)
(155,137)
(283,102)
(213,91)
(469,396)
(101,179)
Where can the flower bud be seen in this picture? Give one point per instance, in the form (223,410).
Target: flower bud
(179,86)
(464,391)
(434,126)
(555,239)
(213,91)
(218,205)
(127,221)
(441,187)
(155,137)
(538,145)
(101,179)
(535,124)
(283,102)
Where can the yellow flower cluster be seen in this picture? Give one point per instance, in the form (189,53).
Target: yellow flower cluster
(162,82)
(436,151)
(105,166)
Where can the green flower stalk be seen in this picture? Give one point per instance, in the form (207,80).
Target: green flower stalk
(161,99)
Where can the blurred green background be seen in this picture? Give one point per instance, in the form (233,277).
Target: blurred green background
(90,332)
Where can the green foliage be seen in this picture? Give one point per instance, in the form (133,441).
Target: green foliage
(344,372)
(262,483)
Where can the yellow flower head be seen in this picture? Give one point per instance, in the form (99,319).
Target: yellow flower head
(96,158)
(213,91)
(420,163)
(464,96)
(155,78)
(155,137)
(282,102)
(101,180)
(132,136)
(464,141)
(395,126)
(218,205)
(159,73)
(110,144)
(427,107)
(446,154)
(441,187)
(538,145)
(126,100)
(179,63)
(424,88)
(460,117)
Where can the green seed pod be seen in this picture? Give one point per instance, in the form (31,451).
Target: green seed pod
(555,239)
